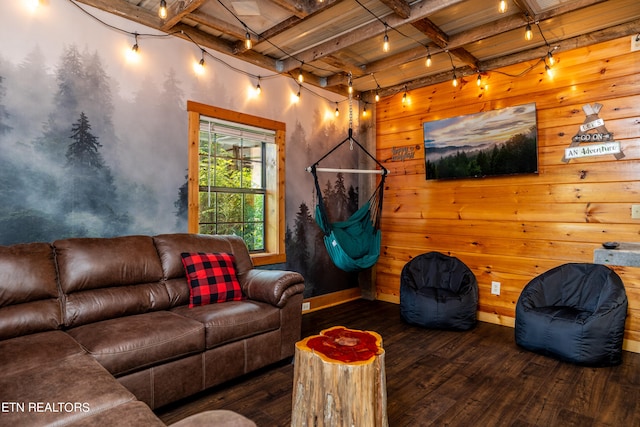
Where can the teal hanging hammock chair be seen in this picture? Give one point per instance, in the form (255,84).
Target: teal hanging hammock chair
(354,244)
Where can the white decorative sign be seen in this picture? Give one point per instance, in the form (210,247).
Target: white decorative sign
(592,150)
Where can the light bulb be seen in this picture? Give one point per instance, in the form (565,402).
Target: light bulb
(404,97)
(258,89)
(247,40)
(479,80)
(455,80)
(428,63)
(350,87)
(503,6)
(198,67)
(528,34)
(337,111)
(385,44)
(377,96)
(364,111)
(551,59)
(300,76)
(162,11)
(548,70)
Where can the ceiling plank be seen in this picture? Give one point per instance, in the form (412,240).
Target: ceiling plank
(418,11)
(218,24)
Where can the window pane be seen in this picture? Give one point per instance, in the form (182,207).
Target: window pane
(229,208)
(254,207)
(234,229)
(254,236)
(207,208)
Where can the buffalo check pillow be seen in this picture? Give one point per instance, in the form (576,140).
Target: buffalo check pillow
(212,278)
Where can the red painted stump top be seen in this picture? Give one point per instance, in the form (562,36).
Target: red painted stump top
(339,344)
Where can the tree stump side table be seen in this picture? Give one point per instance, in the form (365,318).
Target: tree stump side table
(339,380)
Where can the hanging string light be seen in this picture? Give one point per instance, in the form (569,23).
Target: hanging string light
(258,88)
(300,76)
(337,110)
(162,11)
(385,40)
(247,41)
(350,85)
(428,62)
(528,33)
(479,79)
(133,54)
(404,97)
(364,110)
(502,7)
(199,66)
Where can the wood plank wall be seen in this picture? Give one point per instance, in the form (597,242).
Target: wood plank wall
(510,229)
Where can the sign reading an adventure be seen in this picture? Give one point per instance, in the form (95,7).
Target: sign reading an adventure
(592,131)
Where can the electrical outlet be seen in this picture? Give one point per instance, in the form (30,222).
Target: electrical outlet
(306,306)
(495,288)
(635,211)
(635,42)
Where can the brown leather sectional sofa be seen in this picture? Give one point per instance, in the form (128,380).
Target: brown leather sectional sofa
(97,331)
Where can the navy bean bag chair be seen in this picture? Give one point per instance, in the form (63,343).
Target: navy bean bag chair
(439,292)
(574,312)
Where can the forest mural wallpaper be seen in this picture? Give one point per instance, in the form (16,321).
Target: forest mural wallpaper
(91,145)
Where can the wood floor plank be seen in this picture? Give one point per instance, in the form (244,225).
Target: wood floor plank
(443,378)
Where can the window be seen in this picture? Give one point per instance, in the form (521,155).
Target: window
(236,179)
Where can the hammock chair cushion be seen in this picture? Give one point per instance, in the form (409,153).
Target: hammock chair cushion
(354,244)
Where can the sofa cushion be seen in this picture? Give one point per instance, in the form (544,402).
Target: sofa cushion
(33,350)
(127,344)
(233,320)
(58,392)
(211,277)
(105,278)
(28,290)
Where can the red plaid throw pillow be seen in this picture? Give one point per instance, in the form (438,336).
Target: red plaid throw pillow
(211,277)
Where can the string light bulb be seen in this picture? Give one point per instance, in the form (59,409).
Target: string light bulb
(479,79)
(377,95)
(428,62)
(199,66)
(528,33)
(385,40)
(258,88)
(550,58)
(133,54)
(350,86)
(364,111)
(548,70)
(247,41)
(337,113)
(404,97)
(454,82)
(502,8)
(162,11)
(300,76)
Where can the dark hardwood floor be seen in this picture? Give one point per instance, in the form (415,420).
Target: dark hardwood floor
(441,378)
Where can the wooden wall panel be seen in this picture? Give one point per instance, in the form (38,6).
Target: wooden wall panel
(510,229)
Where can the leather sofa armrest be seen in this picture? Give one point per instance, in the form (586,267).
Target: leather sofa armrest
(272,286)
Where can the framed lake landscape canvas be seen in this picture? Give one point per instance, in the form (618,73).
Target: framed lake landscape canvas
(491,143)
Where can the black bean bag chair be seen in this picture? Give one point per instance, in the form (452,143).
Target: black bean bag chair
(574,312)
(438,291)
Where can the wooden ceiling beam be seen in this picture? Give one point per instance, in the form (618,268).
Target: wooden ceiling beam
(441,39)
(399,7)
(179,10)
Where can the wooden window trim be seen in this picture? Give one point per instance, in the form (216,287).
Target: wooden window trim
(274,202)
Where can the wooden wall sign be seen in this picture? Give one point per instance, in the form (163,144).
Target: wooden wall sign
(400,154)
(592,131)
